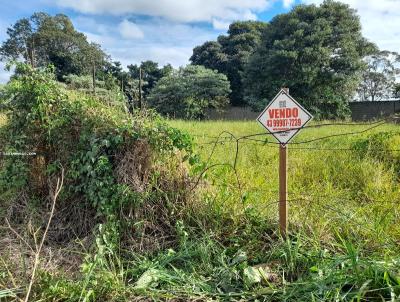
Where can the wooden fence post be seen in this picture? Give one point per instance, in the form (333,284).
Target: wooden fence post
(283,194)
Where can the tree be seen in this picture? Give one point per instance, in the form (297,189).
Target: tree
(188,92)
(396,91)
(230,54)
(210,55)
(378,79)
(115,70)
(20,42)
(43,39)
(317,52)
(151,73)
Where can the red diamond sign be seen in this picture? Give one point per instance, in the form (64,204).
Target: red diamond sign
(284,117)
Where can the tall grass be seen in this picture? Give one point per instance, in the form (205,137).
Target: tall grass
(329,190)
(344,235)
(3,120)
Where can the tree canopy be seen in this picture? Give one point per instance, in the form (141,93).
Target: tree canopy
(186,93)
(379,78)
(317,52)
(229,54)
(43,39)
(151,73)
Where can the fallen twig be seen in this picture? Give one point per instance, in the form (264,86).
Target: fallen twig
(54,196)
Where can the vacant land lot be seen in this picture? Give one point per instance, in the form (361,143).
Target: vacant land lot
(344,213)
(347,183)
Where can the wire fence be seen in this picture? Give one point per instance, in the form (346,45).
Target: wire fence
(260,139)
(226,137)
(332,205)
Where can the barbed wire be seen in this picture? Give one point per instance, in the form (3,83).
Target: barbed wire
(339,134)
(221,140)
(384,120)
(306,127)
(276,146)
(227,137)
(230,137)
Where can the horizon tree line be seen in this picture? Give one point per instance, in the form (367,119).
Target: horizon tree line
(317,51)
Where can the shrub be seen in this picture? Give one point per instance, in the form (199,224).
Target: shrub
(189,92)
(120,168)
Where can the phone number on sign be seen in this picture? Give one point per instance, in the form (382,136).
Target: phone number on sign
(294,122)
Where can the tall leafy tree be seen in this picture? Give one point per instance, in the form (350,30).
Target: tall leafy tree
(379,78)
(43,39)
(211,55)
(20,43)
(188,92)
(230,54)
(151,73)
(317,52)
(114,68)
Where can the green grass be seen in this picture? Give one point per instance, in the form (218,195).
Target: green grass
(344,236)
(208,236)
(329,190)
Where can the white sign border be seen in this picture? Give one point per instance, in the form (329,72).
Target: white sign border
(282,91)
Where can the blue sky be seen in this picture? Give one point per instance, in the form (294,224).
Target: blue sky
(166,31)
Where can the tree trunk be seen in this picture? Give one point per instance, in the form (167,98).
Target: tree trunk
(140,88)
(94,78)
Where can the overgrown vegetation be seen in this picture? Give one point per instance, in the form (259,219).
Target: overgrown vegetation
(124,179)
(140,218)
(167,210)
(343,197)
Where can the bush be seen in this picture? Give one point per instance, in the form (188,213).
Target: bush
(117,165)
(127,175)
(189,92)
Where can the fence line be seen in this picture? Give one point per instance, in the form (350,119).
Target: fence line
(360,111)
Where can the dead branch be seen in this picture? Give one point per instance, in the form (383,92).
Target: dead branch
(54,196)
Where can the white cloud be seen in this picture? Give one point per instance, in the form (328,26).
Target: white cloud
(220,24)
(223,24)
(174,55)
(380,21)
(165,41)
(130,30)
(4,74)
(102,39)
(288,3)
(89,24)
(181,11)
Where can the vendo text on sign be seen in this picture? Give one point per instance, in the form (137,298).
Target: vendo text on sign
(284,117)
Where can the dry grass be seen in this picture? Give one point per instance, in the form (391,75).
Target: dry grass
(156,216)
(133,165)
(3,120)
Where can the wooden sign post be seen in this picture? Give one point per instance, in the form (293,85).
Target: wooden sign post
(283,194)
(283,206)
(283,118)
